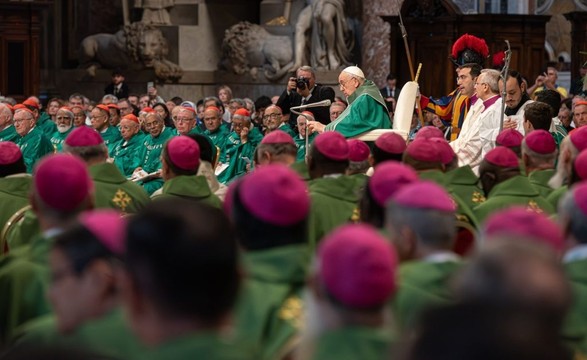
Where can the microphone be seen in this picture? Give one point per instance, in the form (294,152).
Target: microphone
(318,104)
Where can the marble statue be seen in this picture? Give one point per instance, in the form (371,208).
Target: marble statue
(155,11)
(248,47)
(323,36)
(136,46)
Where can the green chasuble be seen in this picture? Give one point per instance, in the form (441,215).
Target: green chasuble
(575,326)
(539,180)
(269,312)
(114,191)
(464,212)
(24,231)
(422,285)
(197,346)
(334,201)
(514,191)
(366,111)
(301,145)
(111,136)
(352,343)
(191,187)
(46,124)
(34,146)
(463,182)
(235,154)
(57,139)
(219,138)
(287,129)
(301,168)
(24,285)
(149,157)
(556,195)
(107,335)
(9,134)
(14,195)
(125,154)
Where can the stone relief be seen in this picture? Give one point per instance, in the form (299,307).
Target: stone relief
(247,47)
(136,46)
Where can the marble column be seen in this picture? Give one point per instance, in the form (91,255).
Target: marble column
(376,45)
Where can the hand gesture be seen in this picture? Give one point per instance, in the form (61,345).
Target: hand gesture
(244,135)
(291,84)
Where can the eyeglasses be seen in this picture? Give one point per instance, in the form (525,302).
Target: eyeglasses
(21,120)
(182,120)
(96,117)
(272,116)
(343,83)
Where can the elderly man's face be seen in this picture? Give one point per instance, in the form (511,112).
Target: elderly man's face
(347,83)
(64,121)
(79,117)
(239,123)
(301,122)
(335,111)
(212,120)
(154,124)
(124,107)
(24,121)
(128,129)
(99,119)
(580,115)
(5,116)
(272,117)
(185,121)
(564,115)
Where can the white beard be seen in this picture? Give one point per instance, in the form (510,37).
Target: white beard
(63,128)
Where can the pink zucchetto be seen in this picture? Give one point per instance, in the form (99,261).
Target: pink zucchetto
(9,153)
(84,136)
(278,137)
(107,226)
(275,194)
(184,152)
(391,143)
(502,157)
(509,138)
(519,222)
(358,266)
(332,145)
(424,195)
(62,182)
(541,142)
(388,178)
(358,150)
(429,132)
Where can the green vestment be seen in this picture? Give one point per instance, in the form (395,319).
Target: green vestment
(301,145)
(9,134)
(125,154)
(236,155)
(575,326)
(464,183)
(114,191)
(287,129)
(539,179)
(556,195)
(57,139)
(111,136)
(46,124)
(366,111)
(34,146)
(149,158)
(14,195)
(191,187)
(269,312)
(219,138)
(514,191)
(352,343)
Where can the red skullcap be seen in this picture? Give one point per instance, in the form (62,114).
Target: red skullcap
(502,157)
(278,137)
(9,153)
(509,138)
(391,143)
(424,195)
(541,142)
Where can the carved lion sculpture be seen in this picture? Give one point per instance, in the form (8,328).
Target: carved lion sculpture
(247,47)
(136,46)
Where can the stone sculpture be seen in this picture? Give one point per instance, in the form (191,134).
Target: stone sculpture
(155,11)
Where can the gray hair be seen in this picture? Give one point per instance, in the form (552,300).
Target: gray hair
(491,78)
(537,159)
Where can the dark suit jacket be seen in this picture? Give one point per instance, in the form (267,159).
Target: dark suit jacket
(319,93)
(123,93)
(383,91)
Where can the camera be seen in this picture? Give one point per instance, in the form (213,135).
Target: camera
(302,83)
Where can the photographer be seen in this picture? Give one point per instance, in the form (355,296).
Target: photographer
(302,90)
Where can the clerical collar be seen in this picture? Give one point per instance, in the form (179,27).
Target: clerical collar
(577,253)
(513,111)
(487,103)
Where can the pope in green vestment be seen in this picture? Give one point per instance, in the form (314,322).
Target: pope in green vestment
(514,191)
(34,146)
(269,311)
(9,134)
(57,139)
(354,342)
(125,154)
(334,202)
(422,285)
(14,195)
(111,136)
(539,180)
(366,111)
(107,335)
(47,125)
(149,158)
(114,191)
(191,187)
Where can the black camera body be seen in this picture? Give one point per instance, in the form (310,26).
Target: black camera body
(302,83)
